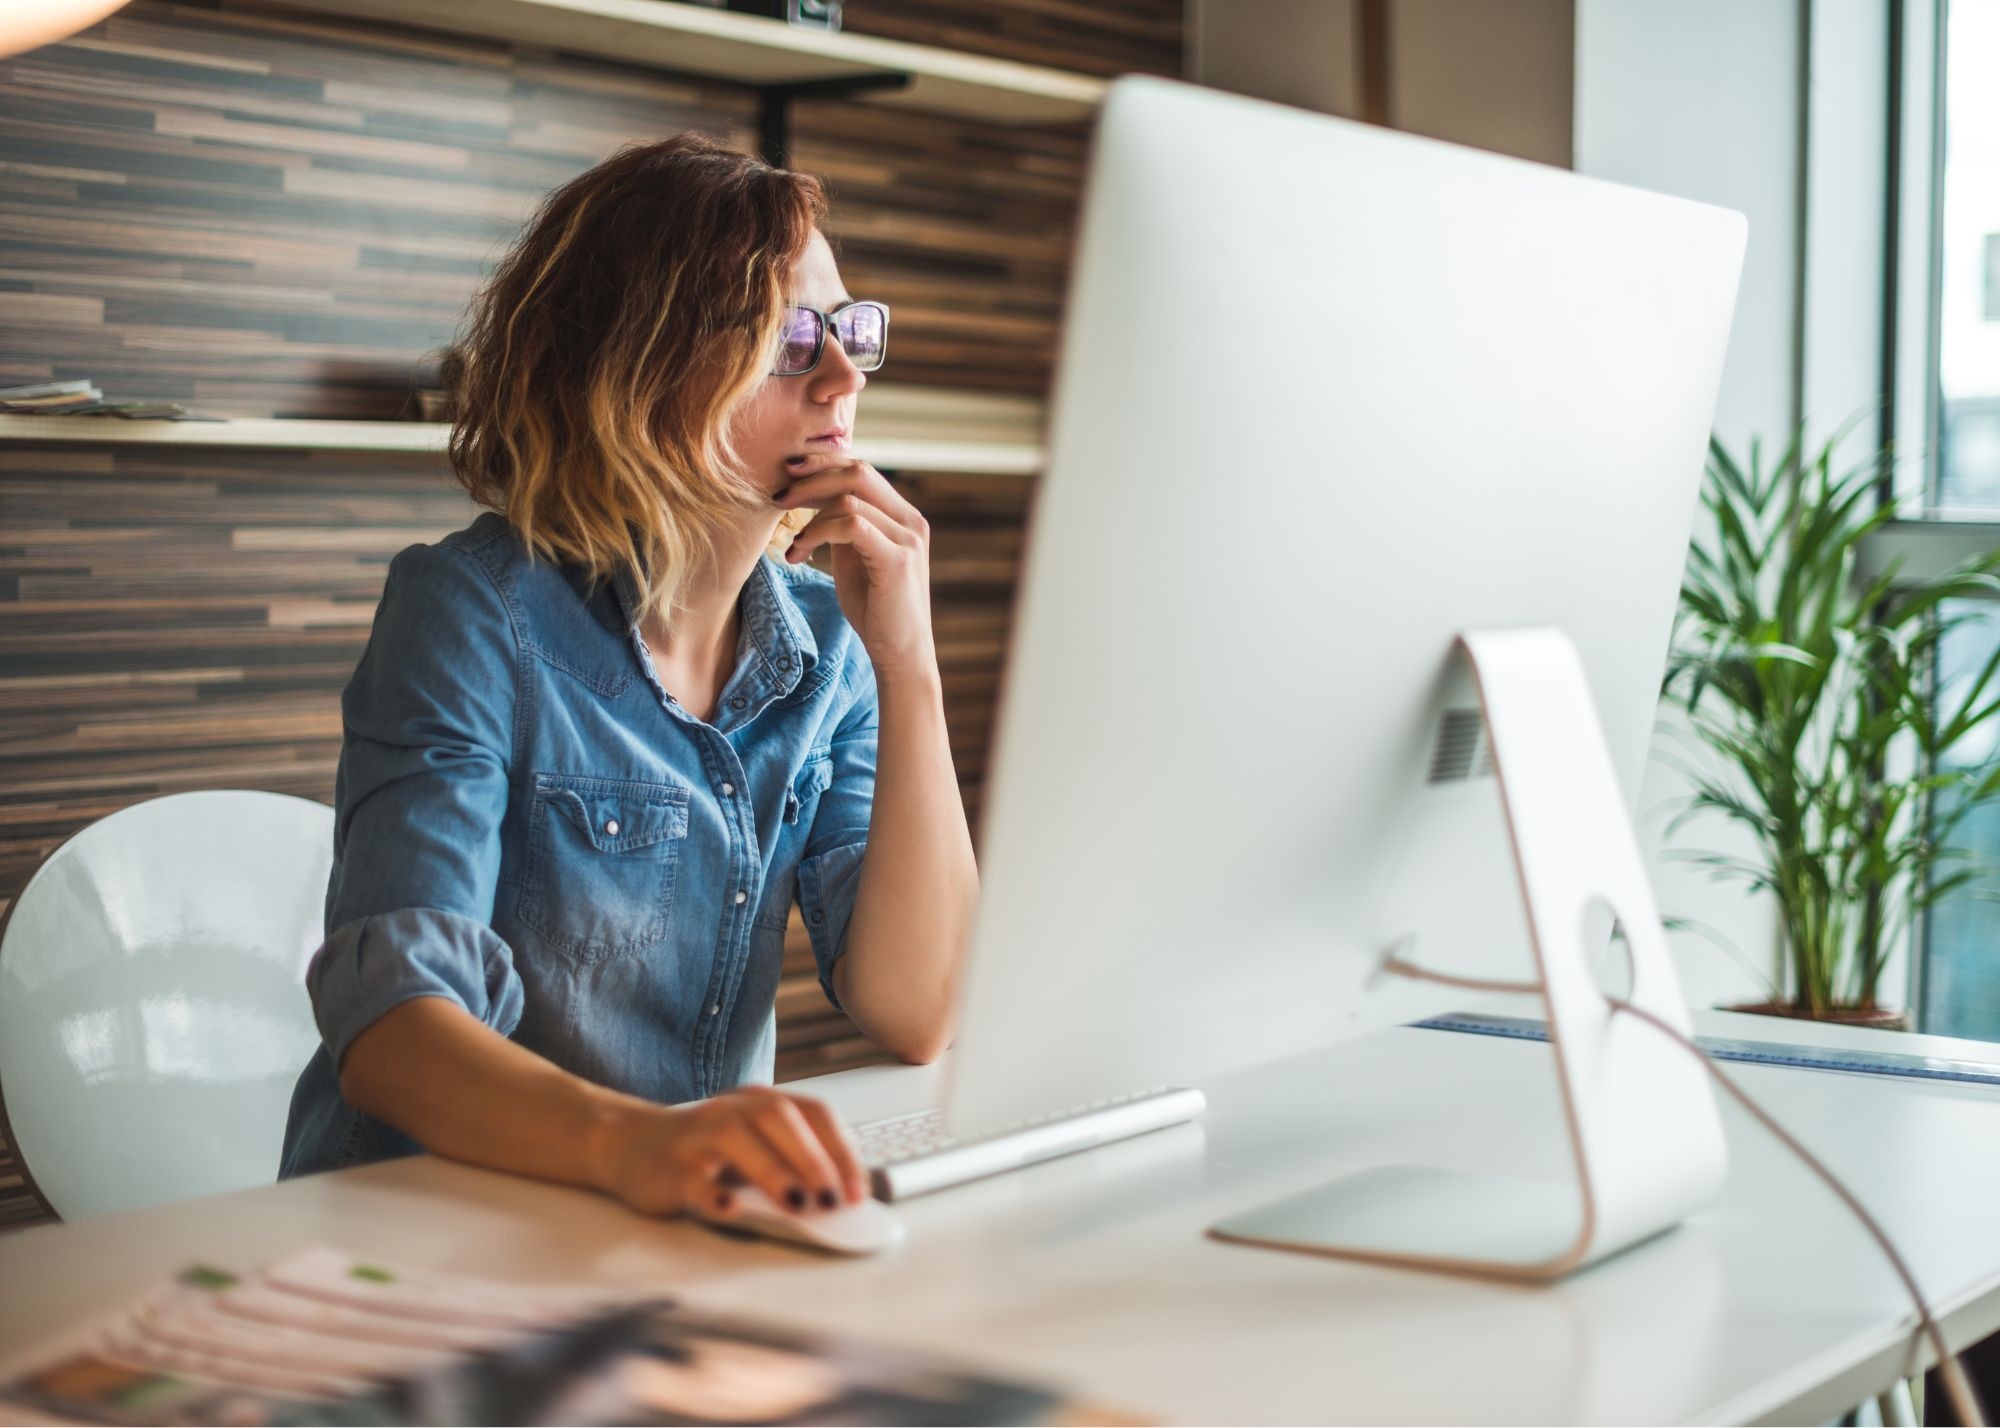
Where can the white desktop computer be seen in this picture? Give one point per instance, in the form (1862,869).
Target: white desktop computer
(1372,464)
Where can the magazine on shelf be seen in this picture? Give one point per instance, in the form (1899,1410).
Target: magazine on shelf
(82,398)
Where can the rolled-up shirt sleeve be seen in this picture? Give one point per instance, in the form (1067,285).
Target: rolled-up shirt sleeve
(419,799)
(830,870)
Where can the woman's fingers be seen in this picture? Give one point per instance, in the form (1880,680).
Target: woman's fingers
(850,505)
(866,538)
(883,579)
(869,537)
(767,1139)
(740,1143)
(839,1146)
(786,1130)
(846,476)
(699,1158)
(709,1184)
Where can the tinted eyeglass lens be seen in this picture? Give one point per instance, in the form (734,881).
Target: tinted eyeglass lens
(798,342)
(863,330)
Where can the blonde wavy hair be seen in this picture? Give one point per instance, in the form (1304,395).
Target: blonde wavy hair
(600,366)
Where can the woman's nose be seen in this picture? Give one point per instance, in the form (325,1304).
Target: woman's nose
(838,373)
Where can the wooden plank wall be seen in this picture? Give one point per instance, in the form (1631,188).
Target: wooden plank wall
(268,214)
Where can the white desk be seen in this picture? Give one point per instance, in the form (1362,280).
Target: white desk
(1093,1273)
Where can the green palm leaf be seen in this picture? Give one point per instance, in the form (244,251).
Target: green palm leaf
(1801,684)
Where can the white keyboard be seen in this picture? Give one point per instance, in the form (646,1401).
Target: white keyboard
(912,1154)
(896,1138)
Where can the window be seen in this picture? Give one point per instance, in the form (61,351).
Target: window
(1961,981)
(1967,470)
(1948,385)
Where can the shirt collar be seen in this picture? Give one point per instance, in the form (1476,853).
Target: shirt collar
(775,627)
(775,633)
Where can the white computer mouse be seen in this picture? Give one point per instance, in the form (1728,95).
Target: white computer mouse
(865,1228)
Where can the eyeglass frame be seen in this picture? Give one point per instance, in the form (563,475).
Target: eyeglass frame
(826,326)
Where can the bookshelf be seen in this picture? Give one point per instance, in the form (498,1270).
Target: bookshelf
(288,201)
(899,429)
(690,38)
(270,432)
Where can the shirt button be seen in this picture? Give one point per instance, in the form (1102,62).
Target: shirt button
(819,916)
(738,702)
(741,897)
(611,827)
(727,789)
(715,1011)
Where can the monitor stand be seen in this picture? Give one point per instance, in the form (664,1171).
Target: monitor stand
(1640,1112)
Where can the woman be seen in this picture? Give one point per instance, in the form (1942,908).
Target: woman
(602,736)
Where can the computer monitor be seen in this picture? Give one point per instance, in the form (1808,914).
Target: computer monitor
(1328,396)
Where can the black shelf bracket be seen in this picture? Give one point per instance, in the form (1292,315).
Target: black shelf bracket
(774,106)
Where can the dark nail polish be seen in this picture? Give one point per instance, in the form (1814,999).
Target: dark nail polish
(827,1199)
(796,1198)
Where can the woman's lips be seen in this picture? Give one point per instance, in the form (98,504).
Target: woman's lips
(830,441)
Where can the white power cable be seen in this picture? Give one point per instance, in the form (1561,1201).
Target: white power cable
(1963,1400)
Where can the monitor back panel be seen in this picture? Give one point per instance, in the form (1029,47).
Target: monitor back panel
(1327,396)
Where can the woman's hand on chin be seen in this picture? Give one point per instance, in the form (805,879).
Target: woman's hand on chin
(881,557)
(664,1159)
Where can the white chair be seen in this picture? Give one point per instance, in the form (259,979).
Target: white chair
(153,1015)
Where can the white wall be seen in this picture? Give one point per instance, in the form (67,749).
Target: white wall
(1700,98)
(1776,108)
(1845,252)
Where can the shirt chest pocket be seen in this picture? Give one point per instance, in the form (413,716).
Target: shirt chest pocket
(602,858)
(801,799)
(803,796)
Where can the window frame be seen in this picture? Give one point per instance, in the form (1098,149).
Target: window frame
(1914,252)
(1923,538)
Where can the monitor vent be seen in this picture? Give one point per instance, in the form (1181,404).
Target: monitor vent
(1463,751)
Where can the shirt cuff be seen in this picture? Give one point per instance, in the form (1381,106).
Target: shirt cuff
(376,963)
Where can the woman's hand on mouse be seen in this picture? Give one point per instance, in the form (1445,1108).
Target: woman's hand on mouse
(662,1159)
(881,556)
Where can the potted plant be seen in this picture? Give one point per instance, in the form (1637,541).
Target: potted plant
(1819,720)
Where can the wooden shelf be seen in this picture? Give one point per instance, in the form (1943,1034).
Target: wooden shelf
(914,429)
(750,49)
(244,431)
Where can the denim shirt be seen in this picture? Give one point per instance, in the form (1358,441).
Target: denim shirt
(529,825)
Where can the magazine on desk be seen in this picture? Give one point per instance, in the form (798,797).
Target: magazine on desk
(324,1338)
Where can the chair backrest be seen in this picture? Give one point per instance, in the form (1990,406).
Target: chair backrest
(153,1016)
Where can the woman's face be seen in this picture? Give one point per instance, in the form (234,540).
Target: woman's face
(809,414)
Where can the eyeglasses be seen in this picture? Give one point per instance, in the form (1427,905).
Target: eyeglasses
(861,327)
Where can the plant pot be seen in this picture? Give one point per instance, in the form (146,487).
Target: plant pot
(1880,1018)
